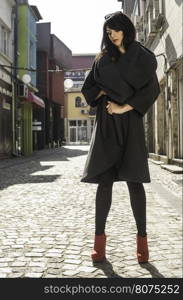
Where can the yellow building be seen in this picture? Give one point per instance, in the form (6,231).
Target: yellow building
(79,118)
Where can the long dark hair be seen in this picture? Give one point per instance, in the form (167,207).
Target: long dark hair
(117,21)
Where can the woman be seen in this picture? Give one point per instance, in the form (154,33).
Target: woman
(123,85)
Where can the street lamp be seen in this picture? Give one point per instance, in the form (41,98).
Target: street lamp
(68,83)
(26,78)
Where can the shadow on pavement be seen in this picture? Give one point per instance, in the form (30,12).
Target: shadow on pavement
(107,268)
(61,154)
(152,270)
(21,170)
(24,174)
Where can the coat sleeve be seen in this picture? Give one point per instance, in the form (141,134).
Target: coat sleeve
(90,88)
(144,98)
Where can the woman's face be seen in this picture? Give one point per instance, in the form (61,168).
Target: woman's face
(116,37)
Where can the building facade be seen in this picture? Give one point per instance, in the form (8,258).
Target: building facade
(7,15)
(159,27)
(27,100)
(53,56)
(79,116)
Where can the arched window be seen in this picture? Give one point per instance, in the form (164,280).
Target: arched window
(78,102)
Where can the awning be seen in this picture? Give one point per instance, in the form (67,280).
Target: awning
(35,99)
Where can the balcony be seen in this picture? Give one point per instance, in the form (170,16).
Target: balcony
(159,21)
(150,32)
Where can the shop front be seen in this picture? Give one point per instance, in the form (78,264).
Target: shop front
(32,123)
(5,119)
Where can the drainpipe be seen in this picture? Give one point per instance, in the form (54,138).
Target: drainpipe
(14,81)
(13,116)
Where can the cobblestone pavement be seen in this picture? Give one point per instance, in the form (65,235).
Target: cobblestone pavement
(47,220)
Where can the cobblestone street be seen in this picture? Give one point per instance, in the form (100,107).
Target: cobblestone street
(47,220)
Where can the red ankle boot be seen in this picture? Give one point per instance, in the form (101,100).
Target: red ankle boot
(98,254)
(142,249)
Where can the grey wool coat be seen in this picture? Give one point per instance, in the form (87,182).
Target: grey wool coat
(119,139)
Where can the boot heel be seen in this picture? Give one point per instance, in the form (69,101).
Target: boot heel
(142,249)
(98,253)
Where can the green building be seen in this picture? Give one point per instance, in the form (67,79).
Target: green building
(28,15)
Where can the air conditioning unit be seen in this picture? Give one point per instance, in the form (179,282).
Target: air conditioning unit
(83,104)
(84,111)
(22,91)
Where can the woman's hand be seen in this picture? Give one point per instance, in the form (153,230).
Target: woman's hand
(114,108)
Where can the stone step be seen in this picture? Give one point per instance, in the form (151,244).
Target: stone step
(157,162)
(172,168)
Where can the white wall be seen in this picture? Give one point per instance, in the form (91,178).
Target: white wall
(5,12)
(174,17)
(7,21)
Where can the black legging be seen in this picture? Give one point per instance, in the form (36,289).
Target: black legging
(104,199)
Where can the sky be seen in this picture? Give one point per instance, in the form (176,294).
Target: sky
(77,23)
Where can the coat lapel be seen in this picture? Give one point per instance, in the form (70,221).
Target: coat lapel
(131,72)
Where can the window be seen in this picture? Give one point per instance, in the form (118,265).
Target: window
(67,74)
(73,137)
(4,40)
(78,123)
(82,134)
(78,102)
(78,130)
(72,123)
